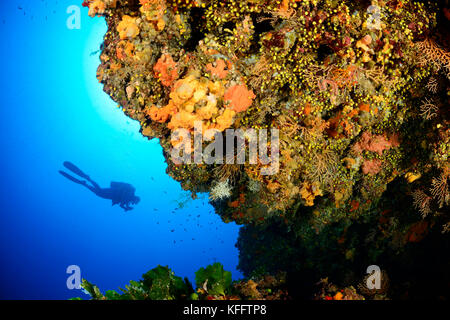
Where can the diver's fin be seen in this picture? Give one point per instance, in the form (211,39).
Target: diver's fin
(68,176)
(75,169)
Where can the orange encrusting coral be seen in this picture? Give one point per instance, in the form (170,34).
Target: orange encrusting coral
(160,115)
(219,70)
(239,97)
(372,166)
(376,143)
(166,70)
(125,49)
(417,231)
(354,205)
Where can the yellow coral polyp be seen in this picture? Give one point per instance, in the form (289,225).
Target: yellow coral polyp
(127,28)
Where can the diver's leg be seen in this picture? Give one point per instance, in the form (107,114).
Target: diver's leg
(94,190)
(99,192)
(95,184)
(73,179)
(69,165)
(105,193)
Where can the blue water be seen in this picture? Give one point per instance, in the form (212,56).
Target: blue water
(52,110)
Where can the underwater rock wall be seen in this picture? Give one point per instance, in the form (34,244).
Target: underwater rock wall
(359,91)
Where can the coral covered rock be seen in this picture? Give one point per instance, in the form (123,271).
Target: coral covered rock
(358,91)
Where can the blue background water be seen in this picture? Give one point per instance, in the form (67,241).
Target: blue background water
(54,110)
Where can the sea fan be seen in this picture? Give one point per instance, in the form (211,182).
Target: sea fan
(221,190)
(439,189)
(428,109)
(422,202)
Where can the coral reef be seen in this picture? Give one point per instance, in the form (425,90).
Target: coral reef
(359,91)
(213,283)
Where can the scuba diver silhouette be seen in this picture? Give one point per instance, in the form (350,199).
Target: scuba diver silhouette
(119,192)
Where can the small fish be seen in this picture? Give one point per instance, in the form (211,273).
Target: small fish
(94,53)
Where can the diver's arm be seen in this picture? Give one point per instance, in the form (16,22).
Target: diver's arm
(126,206)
